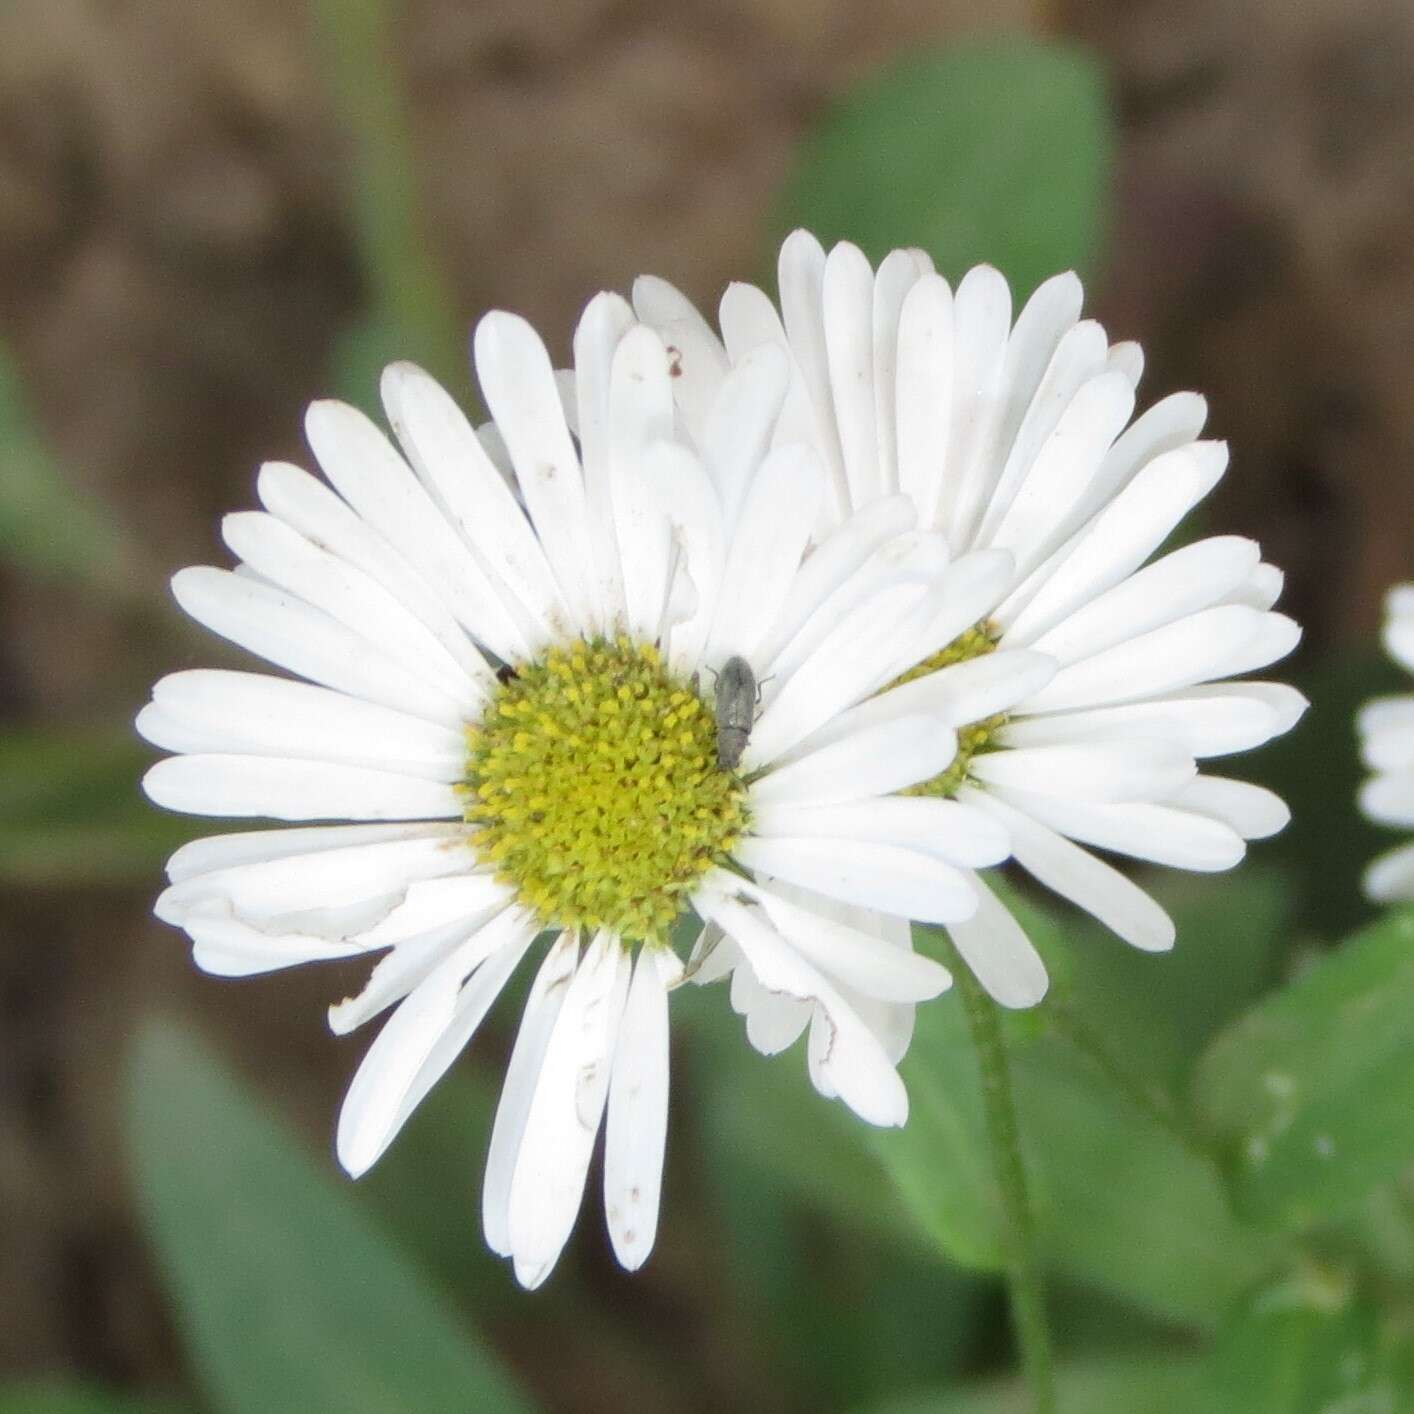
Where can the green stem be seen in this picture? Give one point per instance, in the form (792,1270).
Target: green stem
(1028,1307)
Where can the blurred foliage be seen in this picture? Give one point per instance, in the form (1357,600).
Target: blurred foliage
(995,151)
(49,529)
(1312,1090)
(1221,1150)
(71,813)
(289,1299)
(61,1397)
(410,309)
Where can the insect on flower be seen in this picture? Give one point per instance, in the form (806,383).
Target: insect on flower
(736,699)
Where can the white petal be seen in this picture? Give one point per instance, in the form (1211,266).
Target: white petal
(924,393)
(605,321)
(981,323)
(1079,356)
(520,391)
(773,1022)
(1125,533)
(226,946)
(1162,834)
(1204,721)
(1253,812)
(1181,583)
(636,1129)
(847,313)
(286,559)
(864,962)
(1389,800)
(452,464)
(307,505)
(800,274)
(686,500)
(565,1110)
(994,945)
(936,827)
(887,877)
(360,461)
(855,1064)
(216,710)
(372,1109)
(259,846)
(640,415)
(1102,771)
(957,695)
(1212,643)
(1040,515)
(770,536)
(1391,877)
(1077,875)
(740,422)
(876,760)
(899,271)
(834,561)
(856,658)
(290,634)
(346,865)
(284,789)
(542,1008)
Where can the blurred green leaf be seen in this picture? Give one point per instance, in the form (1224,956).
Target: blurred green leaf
(48,527)
(1311,1345)
(413,314)
(72,812)
(995,151)
(62,1397)
(289,1299)
(1162,1385)
(800,1191)
(1154,1013)
(1123,1202)
(1312,1090)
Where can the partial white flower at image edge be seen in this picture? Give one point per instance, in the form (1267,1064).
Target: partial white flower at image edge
(1386,728)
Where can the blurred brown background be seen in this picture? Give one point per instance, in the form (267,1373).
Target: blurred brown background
(176,259)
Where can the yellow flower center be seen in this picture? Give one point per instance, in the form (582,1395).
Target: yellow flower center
(972,739)
(593,778)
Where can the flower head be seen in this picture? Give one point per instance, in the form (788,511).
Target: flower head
(1386,728)
(502,648)
(1016,440)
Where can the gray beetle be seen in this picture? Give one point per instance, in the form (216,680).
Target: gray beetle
(736,698)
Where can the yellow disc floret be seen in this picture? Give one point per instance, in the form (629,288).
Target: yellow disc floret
(975,737)
(593,778)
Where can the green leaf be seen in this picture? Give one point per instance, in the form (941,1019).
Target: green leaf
(289,1299)
(1311,1345)
(61,1397)
(1312,1090)
(48,527)
(72,812)
(1161,1385)
(1123,1202)
(995,151)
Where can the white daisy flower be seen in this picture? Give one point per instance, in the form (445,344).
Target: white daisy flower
(1018,438)
(507,684)
(1386,728)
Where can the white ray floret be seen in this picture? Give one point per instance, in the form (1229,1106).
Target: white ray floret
(407,596)
(1015,435)
(1386,727)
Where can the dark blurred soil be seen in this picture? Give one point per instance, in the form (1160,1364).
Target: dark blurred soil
(176,260)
